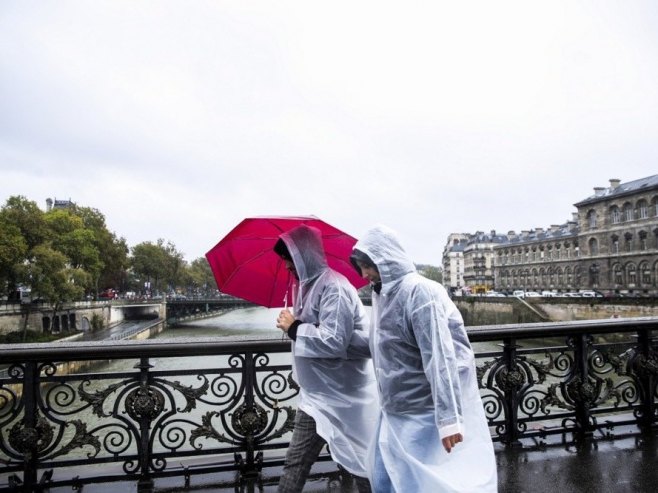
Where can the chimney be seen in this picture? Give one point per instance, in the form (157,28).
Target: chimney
(574,216)
(614,183)
(598,191)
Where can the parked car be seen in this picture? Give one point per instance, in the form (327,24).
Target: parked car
(548,294)
(519,293)
(532,294)
(494,294)
(590,294)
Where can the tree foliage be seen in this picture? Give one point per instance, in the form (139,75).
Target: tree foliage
(431,272)
(60,254)
(66,254)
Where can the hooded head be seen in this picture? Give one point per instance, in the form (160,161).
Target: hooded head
(382,248)
(303,246)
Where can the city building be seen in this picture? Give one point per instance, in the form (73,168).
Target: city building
(479,261)
(453,261)
(58,204)
(610,245)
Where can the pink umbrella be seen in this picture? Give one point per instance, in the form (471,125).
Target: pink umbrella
(244,263)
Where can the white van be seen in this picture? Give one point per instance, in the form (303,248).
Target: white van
(519,293)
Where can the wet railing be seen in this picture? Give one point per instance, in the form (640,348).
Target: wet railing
(76,413)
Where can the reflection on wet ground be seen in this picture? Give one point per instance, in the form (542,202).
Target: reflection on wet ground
(619,466)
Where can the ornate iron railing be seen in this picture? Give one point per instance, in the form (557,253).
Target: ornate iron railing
(76,413)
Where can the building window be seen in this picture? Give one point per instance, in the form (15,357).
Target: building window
(615,215)
(632,277)
(617,275)
(645,272)
(628,212)
(642,235)
(628,242)
(591,219)
(643,209)
(594,276)
(593,246)
(614,246)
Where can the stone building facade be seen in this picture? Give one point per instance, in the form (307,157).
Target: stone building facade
(479,261)
(453,261)
(610,245)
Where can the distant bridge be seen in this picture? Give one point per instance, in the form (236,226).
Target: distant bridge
(178,310)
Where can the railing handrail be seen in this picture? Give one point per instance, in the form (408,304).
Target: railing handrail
(97,350)
(242,405)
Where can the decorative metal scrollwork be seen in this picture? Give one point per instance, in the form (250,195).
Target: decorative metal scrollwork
(31,441)
(585,393)
(510,379)
(646,365)
(144,402)
(249,420)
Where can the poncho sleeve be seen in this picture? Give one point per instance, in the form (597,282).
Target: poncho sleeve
(429,323)
(330,336)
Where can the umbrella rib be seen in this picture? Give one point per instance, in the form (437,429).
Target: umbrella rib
(255,257)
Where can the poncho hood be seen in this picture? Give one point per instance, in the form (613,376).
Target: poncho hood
(383,247)
(305,246)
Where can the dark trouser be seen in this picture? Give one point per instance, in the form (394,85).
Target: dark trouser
(305,446)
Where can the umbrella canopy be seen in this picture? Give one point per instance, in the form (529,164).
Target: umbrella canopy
(244,263)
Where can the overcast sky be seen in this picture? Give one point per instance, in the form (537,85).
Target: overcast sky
(177,119)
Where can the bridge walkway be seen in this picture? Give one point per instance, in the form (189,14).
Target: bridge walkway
(619,466)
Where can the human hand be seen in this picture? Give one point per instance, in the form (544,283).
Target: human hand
(285,320)
(452,440)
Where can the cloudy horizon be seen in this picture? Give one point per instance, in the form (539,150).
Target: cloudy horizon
(176,119)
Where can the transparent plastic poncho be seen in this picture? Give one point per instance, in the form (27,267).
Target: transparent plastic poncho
(426,377)
(337,383)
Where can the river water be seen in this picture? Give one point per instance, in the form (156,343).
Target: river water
(252,321)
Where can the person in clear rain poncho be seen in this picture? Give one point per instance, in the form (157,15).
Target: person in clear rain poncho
(432,435)
(338,395)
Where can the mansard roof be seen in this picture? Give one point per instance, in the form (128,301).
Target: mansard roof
(621,190)
(458,247)
(562,231)
(480,237)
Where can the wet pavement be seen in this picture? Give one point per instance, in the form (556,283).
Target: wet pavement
(620,465)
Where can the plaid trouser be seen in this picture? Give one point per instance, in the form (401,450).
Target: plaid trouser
(305,447)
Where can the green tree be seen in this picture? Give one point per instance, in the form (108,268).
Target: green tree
(431,272)
(51,277)
(13,249)
(73,239)
(199,277)
(113,251)
(22,227)
(148,263)
(28,218)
